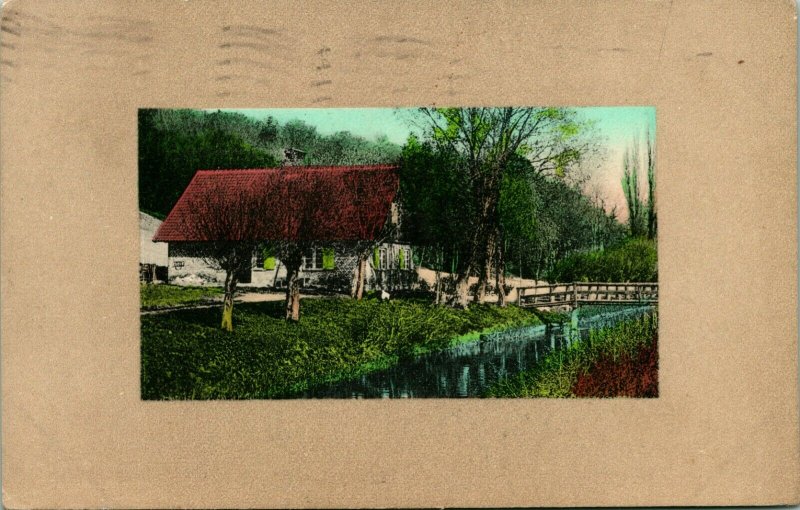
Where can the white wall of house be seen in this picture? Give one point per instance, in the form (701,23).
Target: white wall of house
(188,270)
(150,252)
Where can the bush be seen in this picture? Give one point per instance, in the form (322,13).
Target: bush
(613,362)
(634,261)
(633,374)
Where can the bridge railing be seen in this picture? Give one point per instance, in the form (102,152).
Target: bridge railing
(576,293)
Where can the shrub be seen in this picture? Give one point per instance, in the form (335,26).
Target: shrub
(634,261)
(633,374)
(618,361)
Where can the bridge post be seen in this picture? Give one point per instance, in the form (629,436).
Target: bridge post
(574,330)
(575,295)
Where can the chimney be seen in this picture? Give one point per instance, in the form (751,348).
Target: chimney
(292,157)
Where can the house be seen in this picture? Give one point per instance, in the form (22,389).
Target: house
(153,257)
(336,212)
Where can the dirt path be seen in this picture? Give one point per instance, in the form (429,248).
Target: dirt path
(245,297)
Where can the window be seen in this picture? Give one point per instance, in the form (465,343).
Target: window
(328,259)
(264,259)
(311,261)
(318,259)
(380,258)
(404,258)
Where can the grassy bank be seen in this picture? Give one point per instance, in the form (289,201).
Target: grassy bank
(617,361)
(164,296)
(186,356)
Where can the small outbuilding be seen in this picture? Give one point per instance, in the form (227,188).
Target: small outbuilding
(153,257)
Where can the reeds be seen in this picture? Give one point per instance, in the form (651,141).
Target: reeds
(612,362)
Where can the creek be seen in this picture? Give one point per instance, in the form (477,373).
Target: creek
(468,369)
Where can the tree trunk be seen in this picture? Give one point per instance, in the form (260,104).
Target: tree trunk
(227,302)
(460,298)
(360,276)
(438,287)
(487,263)
(500,271)
(481,241)
(293,292)
(438,268)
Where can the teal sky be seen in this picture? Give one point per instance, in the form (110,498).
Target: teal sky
(617,125)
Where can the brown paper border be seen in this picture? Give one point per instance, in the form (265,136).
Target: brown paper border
(722,75)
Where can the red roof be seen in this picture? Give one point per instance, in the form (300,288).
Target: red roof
(335,203)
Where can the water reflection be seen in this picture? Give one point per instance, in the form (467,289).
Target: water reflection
(468,369)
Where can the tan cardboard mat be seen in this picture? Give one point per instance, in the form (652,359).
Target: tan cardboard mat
(76,432)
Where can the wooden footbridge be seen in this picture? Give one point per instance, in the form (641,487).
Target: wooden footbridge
(574,294)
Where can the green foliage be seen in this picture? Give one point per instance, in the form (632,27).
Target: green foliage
(401,263)
(186,356)
(437,210)
(328,259)
(641,212)
(174,144)
(556,374)
(344,148)
(542,215)
(160,296)
(544,219)
(652,221)
(630,187)
(634,261)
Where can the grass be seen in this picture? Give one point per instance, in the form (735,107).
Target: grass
(618,361)
(185,355)
(164,296)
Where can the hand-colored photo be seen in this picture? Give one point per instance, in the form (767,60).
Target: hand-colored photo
(398,253)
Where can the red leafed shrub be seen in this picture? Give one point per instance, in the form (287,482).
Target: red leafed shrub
(630,375)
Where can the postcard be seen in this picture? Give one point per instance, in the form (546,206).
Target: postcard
(398,253)
(417,255)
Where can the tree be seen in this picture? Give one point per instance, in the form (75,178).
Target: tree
(641,213)
(226,226)
(652,222)
(304,202)
(436,206)
(344,148)
(296,134)
(486,139)
(630,187)
(320,207)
